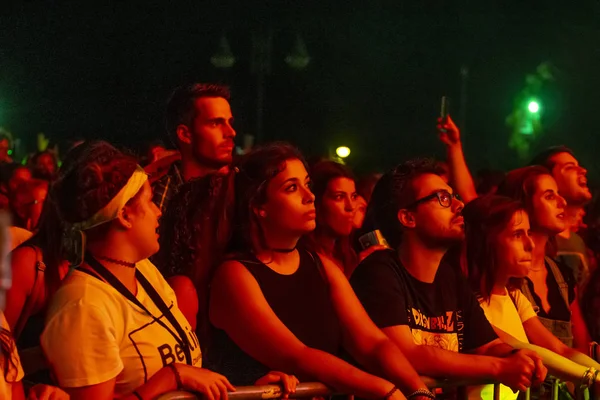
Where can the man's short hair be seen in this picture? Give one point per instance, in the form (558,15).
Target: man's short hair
(393,192)
(180,107)
(544,157)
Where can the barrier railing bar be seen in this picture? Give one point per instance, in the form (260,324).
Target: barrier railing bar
(315,389)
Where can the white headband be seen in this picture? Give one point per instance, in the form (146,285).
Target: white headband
(112,209)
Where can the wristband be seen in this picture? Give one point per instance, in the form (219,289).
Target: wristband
(177,376)
(589,377)
(390,393)
(421,393)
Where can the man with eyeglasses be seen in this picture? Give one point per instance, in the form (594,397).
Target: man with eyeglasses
(422,304)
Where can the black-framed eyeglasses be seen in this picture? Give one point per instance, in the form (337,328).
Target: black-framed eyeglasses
(444,197)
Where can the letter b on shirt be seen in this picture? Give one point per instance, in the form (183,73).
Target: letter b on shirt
(169,355)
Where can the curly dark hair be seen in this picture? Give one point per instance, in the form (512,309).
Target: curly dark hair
(256,169)
(196,227)
(92,175)
(194,232)
(61,206)
(392,192)
(8,354)
(180,107)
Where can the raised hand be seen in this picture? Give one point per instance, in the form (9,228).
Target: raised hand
(449,132)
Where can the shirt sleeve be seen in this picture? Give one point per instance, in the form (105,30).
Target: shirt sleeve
(478,330)
(379,289)
(524,307)
(80,344)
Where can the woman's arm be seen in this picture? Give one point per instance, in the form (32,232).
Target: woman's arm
(17,392)
(212,385)
(581,336)
(238,306)
(558,365)
(367,343)
(538,334)
(187,298)
(23,262)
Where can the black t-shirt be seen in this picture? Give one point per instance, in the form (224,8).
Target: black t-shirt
(444,313)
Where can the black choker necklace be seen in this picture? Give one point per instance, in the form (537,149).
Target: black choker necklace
(285,251)
(119,262)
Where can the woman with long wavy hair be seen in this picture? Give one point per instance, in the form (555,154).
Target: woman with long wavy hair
(275,305)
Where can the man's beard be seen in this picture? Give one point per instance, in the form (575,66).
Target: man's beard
(443,242)
(211,163)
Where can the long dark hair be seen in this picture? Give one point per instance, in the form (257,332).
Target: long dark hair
(321,174)
(485,217)
(255,170)
(194,232)
(520,185)
(8,352)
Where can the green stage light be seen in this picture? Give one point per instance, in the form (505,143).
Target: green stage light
(533,107)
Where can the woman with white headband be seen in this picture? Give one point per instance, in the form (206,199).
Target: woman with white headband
(113,329)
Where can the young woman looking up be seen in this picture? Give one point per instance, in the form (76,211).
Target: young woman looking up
(549,286)
(497,257)
(276,306)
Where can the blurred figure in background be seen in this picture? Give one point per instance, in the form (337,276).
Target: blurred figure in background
(27,201)
(5,148)
(488,181)
(336,202)
(44,165)
(366,184)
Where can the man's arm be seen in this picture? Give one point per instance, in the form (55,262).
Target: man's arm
(515,371)
(460,176)
(440,363)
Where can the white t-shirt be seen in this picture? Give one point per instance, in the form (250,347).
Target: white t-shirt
(506,312)
(94,334)
(14,372)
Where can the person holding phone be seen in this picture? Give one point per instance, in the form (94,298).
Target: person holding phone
(336,203)
(457,170)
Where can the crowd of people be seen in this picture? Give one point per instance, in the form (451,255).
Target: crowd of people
(200,270)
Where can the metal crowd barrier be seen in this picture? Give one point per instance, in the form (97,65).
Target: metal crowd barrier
(314,389)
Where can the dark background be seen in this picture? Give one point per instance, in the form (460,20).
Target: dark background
(374,82)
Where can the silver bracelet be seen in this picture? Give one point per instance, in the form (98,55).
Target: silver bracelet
(421,393)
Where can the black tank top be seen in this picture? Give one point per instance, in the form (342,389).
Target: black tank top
(301,301)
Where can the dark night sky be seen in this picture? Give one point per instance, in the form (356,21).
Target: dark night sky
(376,75)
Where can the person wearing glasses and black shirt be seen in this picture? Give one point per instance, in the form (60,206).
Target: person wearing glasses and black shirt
(424,305)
